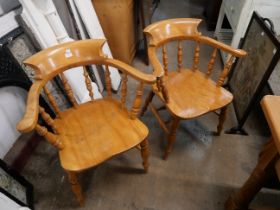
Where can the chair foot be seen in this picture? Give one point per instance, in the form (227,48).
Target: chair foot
(171,137)
(76,188)
(145,154)
(147,102)
(222,119)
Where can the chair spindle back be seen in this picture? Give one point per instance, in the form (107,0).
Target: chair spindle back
(54,61)
(179,30)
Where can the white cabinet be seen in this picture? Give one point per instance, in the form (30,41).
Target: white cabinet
(238,13)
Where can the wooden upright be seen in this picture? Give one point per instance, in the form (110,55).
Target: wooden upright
(268,162)
(187,93)
(90,133)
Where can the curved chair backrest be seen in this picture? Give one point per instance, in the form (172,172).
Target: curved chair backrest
(180,29)
(54,61)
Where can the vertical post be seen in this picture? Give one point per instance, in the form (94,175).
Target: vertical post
(165,60)
(108,81)
(76,188)
(179,56)
(196,57)
(68,90)
(211,63)
(88,83)
(226,70)
(52,101)
(137,101)
(124,90)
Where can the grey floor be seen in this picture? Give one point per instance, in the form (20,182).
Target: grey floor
(202,171)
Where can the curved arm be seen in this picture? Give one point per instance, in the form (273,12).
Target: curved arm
(209,41)
(30,118)
(136,74)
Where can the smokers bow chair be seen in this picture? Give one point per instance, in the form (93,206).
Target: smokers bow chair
(186,93)
(86,134)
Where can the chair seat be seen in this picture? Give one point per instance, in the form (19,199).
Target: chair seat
(96,131)
(191,94)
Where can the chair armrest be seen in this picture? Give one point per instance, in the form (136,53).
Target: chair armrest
(135,73)
(235,52)
(157,67)
(30,118)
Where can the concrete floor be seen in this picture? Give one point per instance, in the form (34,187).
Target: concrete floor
(202,171)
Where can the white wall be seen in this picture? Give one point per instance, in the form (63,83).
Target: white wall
(7,5)
(12,107)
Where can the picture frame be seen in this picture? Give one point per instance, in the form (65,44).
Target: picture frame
(15,187)
(250,74)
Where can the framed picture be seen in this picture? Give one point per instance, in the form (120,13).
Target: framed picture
(250,74)
(15,187)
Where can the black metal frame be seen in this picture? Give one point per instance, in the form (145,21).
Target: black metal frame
(241,120)
(22,181)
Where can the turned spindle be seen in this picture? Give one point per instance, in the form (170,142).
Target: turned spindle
(47,118)
(108,81)
(179,56)
(52,101)
(163,89)
(196,57)
(165,60)
(68,90)
(52,138)
(226,70)
(137,101)
(211,63)
(124,90)
(88,83)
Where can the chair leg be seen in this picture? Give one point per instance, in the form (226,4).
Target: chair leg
(145,154)
(171,137)
(76,188)
(147,102)
(222,119)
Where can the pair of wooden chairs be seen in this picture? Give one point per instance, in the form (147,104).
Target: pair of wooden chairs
(90,133)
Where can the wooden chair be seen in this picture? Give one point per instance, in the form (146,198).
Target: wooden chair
(186,92)
(90,133)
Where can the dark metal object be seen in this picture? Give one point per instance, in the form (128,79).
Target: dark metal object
(22,183)
(258,79)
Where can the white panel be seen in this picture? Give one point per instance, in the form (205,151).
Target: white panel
(12,107)
(8,23)
(7,203)
(90,19)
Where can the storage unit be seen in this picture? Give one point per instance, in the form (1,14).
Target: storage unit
(118,23)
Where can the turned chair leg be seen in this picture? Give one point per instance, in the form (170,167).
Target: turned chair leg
(145,154)
(222,119)
(147,102)
(76,188)
(257,179)
(171,136)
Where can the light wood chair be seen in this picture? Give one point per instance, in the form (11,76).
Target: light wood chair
(186,93)
(90,133)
